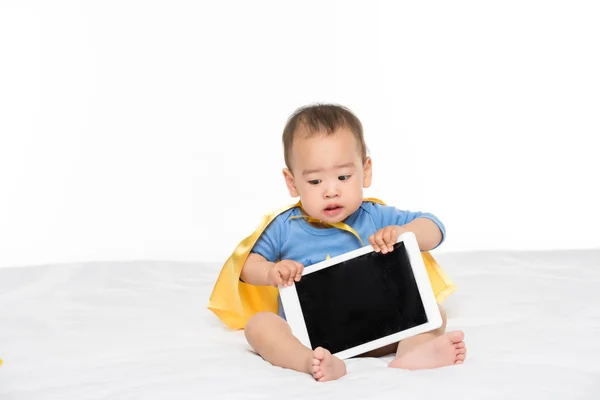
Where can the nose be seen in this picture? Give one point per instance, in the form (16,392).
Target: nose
(332,191)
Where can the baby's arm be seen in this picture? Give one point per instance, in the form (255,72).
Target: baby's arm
(426,231)
(259,271)
(256,269)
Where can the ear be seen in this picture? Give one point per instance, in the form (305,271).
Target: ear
(290,182)
(367,172)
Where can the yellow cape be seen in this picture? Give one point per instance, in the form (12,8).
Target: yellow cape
(234,302)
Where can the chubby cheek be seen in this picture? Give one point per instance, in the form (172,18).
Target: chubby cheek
(309,196)
(356,197)
(310,200)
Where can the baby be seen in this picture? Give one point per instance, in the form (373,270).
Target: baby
(327,167)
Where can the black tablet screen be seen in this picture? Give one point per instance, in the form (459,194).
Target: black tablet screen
(360,300)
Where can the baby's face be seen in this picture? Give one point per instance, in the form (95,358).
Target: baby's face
(328,174)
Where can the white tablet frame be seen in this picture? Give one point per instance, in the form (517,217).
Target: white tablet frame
(295,318)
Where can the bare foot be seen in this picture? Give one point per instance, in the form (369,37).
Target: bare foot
(326,367)
(448,349)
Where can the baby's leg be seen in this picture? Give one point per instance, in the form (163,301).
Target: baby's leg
(431,350)
(271,337)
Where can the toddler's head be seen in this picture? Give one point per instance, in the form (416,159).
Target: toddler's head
(326,161)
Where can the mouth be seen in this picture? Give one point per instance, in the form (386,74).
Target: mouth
(332,210)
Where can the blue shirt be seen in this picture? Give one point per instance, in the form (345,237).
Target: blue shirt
(295,239)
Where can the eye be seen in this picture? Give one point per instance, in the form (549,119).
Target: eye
(344,177)
(315,181)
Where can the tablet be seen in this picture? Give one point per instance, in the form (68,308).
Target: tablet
(362,300)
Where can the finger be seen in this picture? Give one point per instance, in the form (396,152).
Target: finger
(389,237)
(386,235)
(372,242)
(285,273)
(276,277)
(299,271)
(379,241)
(293,271)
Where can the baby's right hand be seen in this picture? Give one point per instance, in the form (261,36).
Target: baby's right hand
(284,273)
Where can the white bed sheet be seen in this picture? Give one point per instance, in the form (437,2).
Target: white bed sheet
(141,330)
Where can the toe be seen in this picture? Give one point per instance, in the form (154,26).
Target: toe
(460,357)
(319,353)
(316,368)
(316,361)
(458,362)
(459,345)
(456,336)
(318,375)
(461,351)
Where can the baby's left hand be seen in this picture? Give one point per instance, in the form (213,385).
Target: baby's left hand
(384,239)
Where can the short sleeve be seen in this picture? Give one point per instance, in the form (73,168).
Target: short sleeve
(387,215)
(270,242)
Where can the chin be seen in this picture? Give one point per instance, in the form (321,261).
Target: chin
(337,218)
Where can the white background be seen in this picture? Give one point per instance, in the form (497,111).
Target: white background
(151,129)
